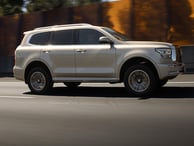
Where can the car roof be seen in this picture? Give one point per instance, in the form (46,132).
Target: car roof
(58,27)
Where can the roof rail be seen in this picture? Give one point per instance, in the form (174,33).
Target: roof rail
(76,24)
(63,25)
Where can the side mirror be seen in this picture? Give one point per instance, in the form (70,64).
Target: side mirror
(105,40)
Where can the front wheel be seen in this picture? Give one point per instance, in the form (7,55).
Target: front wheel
(163,82)
(39,80)
(140,80)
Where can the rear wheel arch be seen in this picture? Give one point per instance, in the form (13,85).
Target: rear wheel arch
(34,65)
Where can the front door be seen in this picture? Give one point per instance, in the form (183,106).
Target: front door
(94,61)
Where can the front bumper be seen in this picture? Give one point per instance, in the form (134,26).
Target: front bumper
(170,71)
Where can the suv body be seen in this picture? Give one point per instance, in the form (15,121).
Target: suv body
(77,53)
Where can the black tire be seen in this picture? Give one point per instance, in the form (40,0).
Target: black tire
(72,84)
(140,80)
(39,80)
(162,82)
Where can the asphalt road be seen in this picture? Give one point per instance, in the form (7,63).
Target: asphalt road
(97,115)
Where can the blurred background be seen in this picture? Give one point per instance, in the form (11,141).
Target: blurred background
(155,20)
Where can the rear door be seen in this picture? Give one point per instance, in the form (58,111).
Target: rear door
(60,53)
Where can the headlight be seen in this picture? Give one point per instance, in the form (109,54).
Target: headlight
(164,52)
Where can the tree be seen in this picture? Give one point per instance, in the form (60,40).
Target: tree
(43,5)
(82,2)
(9,7)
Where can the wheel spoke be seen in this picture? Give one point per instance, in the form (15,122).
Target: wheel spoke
(139,80)
(38,81)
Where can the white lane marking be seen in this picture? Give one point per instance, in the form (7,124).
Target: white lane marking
(16,97)
(181,82)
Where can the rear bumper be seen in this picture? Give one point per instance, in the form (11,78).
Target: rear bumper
(18,73)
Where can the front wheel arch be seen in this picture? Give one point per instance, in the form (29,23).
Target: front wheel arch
(137,61)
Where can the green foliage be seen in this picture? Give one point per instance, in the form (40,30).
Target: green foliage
(9,7)
(82,2)
(43,5)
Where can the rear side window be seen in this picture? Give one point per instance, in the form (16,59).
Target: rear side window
(40,38)
(62,37)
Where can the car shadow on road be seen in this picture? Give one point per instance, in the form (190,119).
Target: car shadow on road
(174,92)
(120,92)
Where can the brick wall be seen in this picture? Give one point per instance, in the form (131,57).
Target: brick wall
(150,20)
(158,20)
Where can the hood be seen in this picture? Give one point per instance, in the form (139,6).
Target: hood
(149,43)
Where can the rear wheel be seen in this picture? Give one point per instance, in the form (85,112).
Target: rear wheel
(72,84)
(140,80)
(39,80)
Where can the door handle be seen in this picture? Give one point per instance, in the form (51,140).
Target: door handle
(81,51)
(46,51)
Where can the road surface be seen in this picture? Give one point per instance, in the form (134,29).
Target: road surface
(97,115)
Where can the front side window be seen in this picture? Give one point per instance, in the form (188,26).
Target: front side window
(116,34)
(40,38)
(89,36)
(62,37)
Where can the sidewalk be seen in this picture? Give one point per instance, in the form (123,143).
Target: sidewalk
(183,78)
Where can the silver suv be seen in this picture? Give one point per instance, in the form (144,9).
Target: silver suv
(77,53)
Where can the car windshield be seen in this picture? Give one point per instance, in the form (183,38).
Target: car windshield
(116,34)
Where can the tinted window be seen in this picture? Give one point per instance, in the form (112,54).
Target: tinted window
(62,37)
(89,36)
(116,34)
(40,38)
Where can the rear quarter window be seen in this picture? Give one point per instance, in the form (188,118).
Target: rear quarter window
(40,38)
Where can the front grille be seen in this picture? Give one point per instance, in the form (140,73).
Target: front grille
(178,54)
